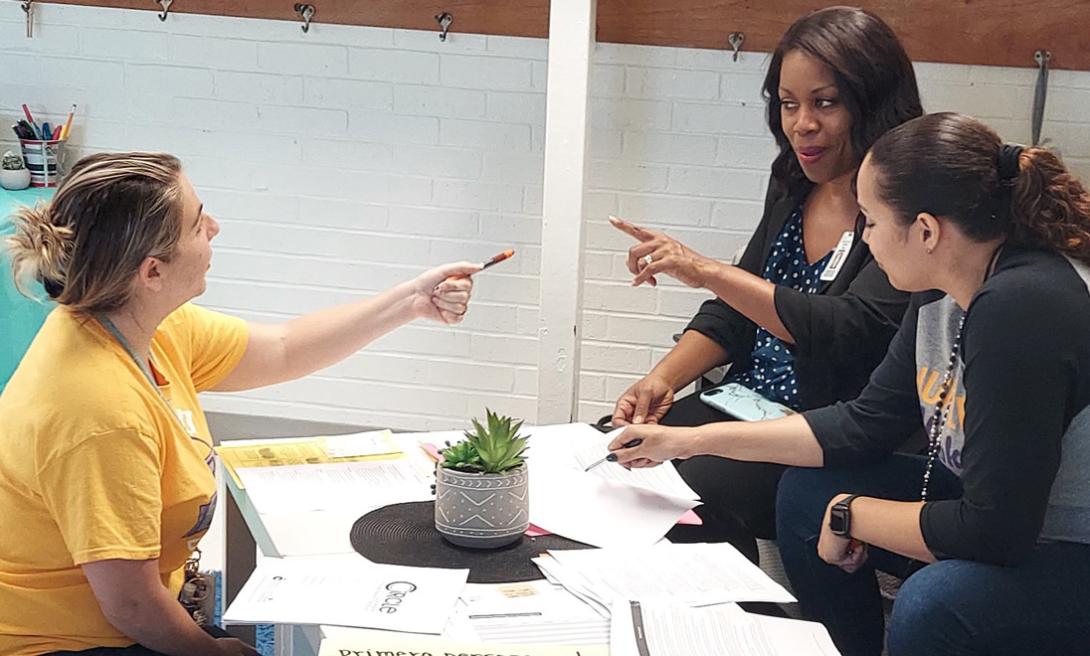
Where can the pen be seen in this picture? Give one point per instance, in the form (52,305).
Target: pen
(499,258)
(30,120)
(613,456)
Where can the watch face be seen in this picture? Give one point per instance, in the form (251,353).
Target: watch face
(838,520)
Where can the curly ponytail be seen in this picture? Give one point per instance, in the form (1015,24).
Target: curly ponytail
(1050,208)
(40,250)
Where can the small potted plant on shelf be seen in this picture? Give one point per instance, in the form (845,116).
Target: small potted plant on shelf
(481,496)
(14,175)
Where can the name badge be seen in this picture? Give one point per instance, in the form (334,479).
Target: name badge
(840,253)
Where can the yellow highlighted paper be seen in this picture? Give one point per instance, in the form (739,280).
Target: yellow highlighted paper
(374,445)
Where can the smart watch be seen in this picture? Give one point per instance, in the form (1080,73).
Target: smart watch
(840,517)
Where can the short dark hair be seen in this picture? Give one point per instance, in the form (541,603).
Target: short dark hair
(872,71)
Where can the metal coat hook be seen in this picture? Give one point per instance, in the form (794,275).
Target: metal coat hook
(165,4)
(1042,57)
(28,9)
(444,19)
(306,12)
(736,39)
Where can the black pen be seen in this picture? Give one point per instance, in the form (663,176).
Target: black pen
(613,456)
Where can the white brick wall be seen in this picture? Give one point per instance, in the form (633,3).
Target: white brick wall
(345,160)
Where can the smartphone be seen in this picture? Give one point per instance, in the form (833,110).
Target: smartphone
(743,403)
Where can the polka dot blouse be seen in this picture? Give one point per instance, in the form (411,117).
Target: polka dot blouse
(772,367)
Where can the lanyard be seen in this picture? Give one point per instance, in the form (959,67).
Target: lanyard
(140,362)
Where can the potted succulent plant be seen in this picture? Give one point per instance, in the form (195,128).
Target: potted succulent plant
(481,494)
(14,174)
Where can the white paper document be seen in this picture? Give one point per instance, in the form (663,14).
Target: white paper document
(649,629)
(585,507)
(663,479)
(348,591)
(684,574)
(380,643)
(531,612)
(359,486)
(370,443)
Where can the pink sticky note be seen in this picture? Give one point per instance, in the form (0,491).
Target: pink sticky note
(535,532)
(690,518)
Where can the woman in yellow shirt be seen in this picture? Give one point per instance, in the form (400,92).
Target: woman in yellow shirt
(106,461)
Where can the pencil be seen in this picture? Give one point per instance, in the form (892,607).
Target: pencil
(68,124)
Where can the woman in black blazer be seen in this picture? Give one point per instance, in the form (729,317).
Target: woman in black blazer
(805,315)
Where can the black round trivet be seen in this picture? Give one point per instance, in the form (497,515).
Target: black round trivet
(404,534)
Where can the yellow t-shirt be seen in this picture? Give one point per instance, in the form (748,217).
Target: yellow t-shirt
(94,465)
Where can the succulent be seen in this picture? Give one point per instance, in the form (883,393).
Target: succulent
(492,449)
(11,162)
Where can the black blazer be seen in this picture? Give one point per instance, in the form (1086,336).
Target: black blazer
(841,333)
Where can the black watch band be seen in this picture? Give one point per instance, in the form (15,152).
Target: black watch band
(840,517)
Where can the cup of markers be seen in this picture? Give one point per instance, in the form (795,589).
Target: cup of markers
(41,145)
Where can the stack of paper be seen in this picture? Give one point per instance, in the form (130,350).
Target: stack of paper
(370,445)
(650,629)
(384,643)
(530,612)
(608,506)
(348,591)
(683,574)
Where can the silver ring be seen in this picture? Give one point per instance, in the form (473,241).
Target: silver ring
(647,260)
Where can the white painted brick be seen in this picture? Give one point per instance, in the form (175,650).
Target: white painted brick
(606,81)
(348,93)
(737,214)
(665,210)
(615,358)
(928,71)
(669,148)
(322,242)
(600,235)
(1005,75)
(183,81)
(1073,79)
(50,39)
(521,47)
(616,53)
(129,45)
(671,83)
(1070,138)
(512,107)
(617,297)
(747,152)
(706,181)
(527,320)
(650,331)
(79,72)
(258,87)
(981,100)
(302,59)
(470,72)
(626,176)
(592,387)
(629,114)
(221,54)
(540,76)
(439,101)
(436,161)
(512,228)
(484,316)
(238,265)
(302,120)
(409,370)
(508,404)
(428,40)
(347,154)
(508,289)
(390,128)
(599,204)
(432,221)
(227,204)
(478,195)
(484,134)
(719,119)
(215,172)
(200,112)
(525,381)
(533,199)
(1065,104)
(594,326)
(722,60)
(598,266)
(742,88)
(420,340)
(514,167)
(348,214)
(603,143)
(616,386)
(590,411)
(393,66)
(503,349)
